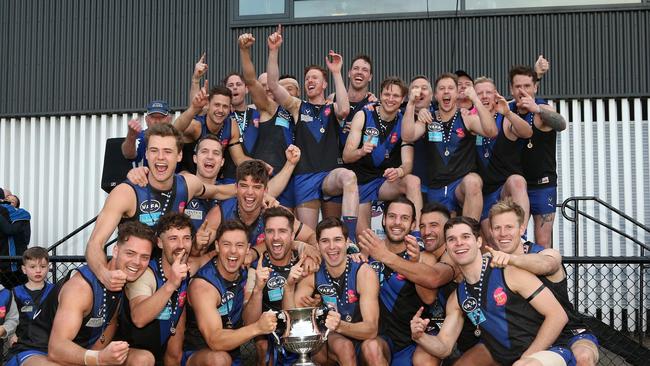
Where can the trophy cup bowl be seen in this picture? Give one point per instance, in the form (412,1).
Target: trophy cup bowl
(302,334)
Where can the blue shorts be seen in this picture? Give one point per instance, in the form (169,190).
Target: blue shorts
(19,358)
(288,197)
(445,195)
(586,335)
(402,357)
(308,187)
(369,192)
(542,200)
(489,200)
(565,353)
(187,354)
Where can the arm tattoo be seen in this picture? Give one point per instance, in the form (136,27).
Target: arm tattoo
(552,119)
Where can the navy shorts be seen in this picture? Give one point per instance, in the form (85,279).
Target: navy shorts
(542,200)
(565,353)
(309,187)
(369,192)
(19,358)
(586,336)
(489,200)
(288,197)
(403,357)
(445,195)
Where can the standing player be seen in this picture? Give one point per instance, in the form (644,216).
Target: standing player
(450,143)
(375,152)
(317,173)
(538,158)
(350,290)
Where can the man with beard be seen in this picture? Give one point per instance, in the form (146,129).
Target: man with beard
(538,157)
(274,132)
(507,224)
(375,152)
(268,277)
(499,158)
(154,313)
(401,269)
(450,144)
(317,173)
(164,192)
(76,323)
(350,291)
(216,293)
(514,314)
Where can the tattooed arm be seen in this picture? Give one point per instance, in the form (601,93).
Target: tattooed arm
(551,118)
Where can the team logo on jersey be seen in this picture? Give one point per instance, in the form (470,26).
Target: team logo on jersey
(194,204)
(260,239)
(327,111)
(225,142)
(352,296)
(327,290)
(371,132)
(460,133)
(400,277)
(470,304)
(3,311)
(228,296)
(393,138)
(500,296)
(194,214)
(276,282)
(181,298)
(150,206)
(377,266)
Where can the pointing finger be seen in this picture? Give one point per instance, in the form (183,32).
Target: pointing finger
(205,85)
(419,312)
(260,261)
(202,59)
(279,29)
(204,225)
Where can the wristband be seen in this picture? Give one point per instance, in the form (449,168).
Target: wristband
(91,358)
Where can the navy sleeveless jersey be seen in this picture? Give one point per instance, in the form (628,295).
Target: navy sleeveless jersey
(498,158)
(538,155)
(229,210)
(28,303)
(273,291)
(388,141)
(576,324)
(450,148)
(152,204)
(399,301)
(275,135)
(511,323)
(154,336)
(230,308)
(248,133)
(317,138)
(105,304)
(197,209)
(354,108)
(344,297)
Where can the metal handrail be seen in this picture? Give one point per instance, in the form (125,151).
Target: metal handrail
(73,233)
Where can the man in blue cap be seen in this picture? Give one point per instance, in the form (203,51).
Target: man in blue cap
(134,146)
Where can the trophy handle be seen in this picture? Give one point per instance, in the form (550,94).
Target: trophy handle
(282,316)
(327,333)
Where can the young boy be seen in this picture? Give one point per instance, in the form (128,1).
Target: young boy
(31,295)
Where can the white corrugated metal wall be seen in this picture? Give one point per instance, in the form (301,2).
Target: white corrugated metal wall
(55,165)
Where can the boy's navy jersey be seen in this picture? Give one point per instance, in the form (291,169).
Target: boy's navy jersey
(450,148)
(538,155)
(197,210)
(93,325)
(154,336)
(28,303)
(510,323)
(273,290)
(230,308)
(498,158)
(246,122)
(399,301)
(340,293)
(317,137)
(274,136)
(387,136)
(152,204)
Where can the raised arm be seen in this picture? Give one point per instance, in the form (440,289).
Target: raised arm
(120,203)
(484,124)
(282,96)
(513,126)
(551,120)
(128,145)
(199,69)
(279,182)
(544,263)
(185,122)
(342,105)
(256,90)
(412,130)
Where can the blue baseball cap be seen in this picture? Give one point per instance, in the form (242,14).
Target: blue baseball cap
(158,106)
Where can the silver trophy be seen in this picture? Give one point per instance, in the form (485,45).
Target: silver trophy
(302,334)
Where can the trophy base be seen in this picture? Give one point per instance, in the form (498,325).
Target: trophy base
(304,360)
